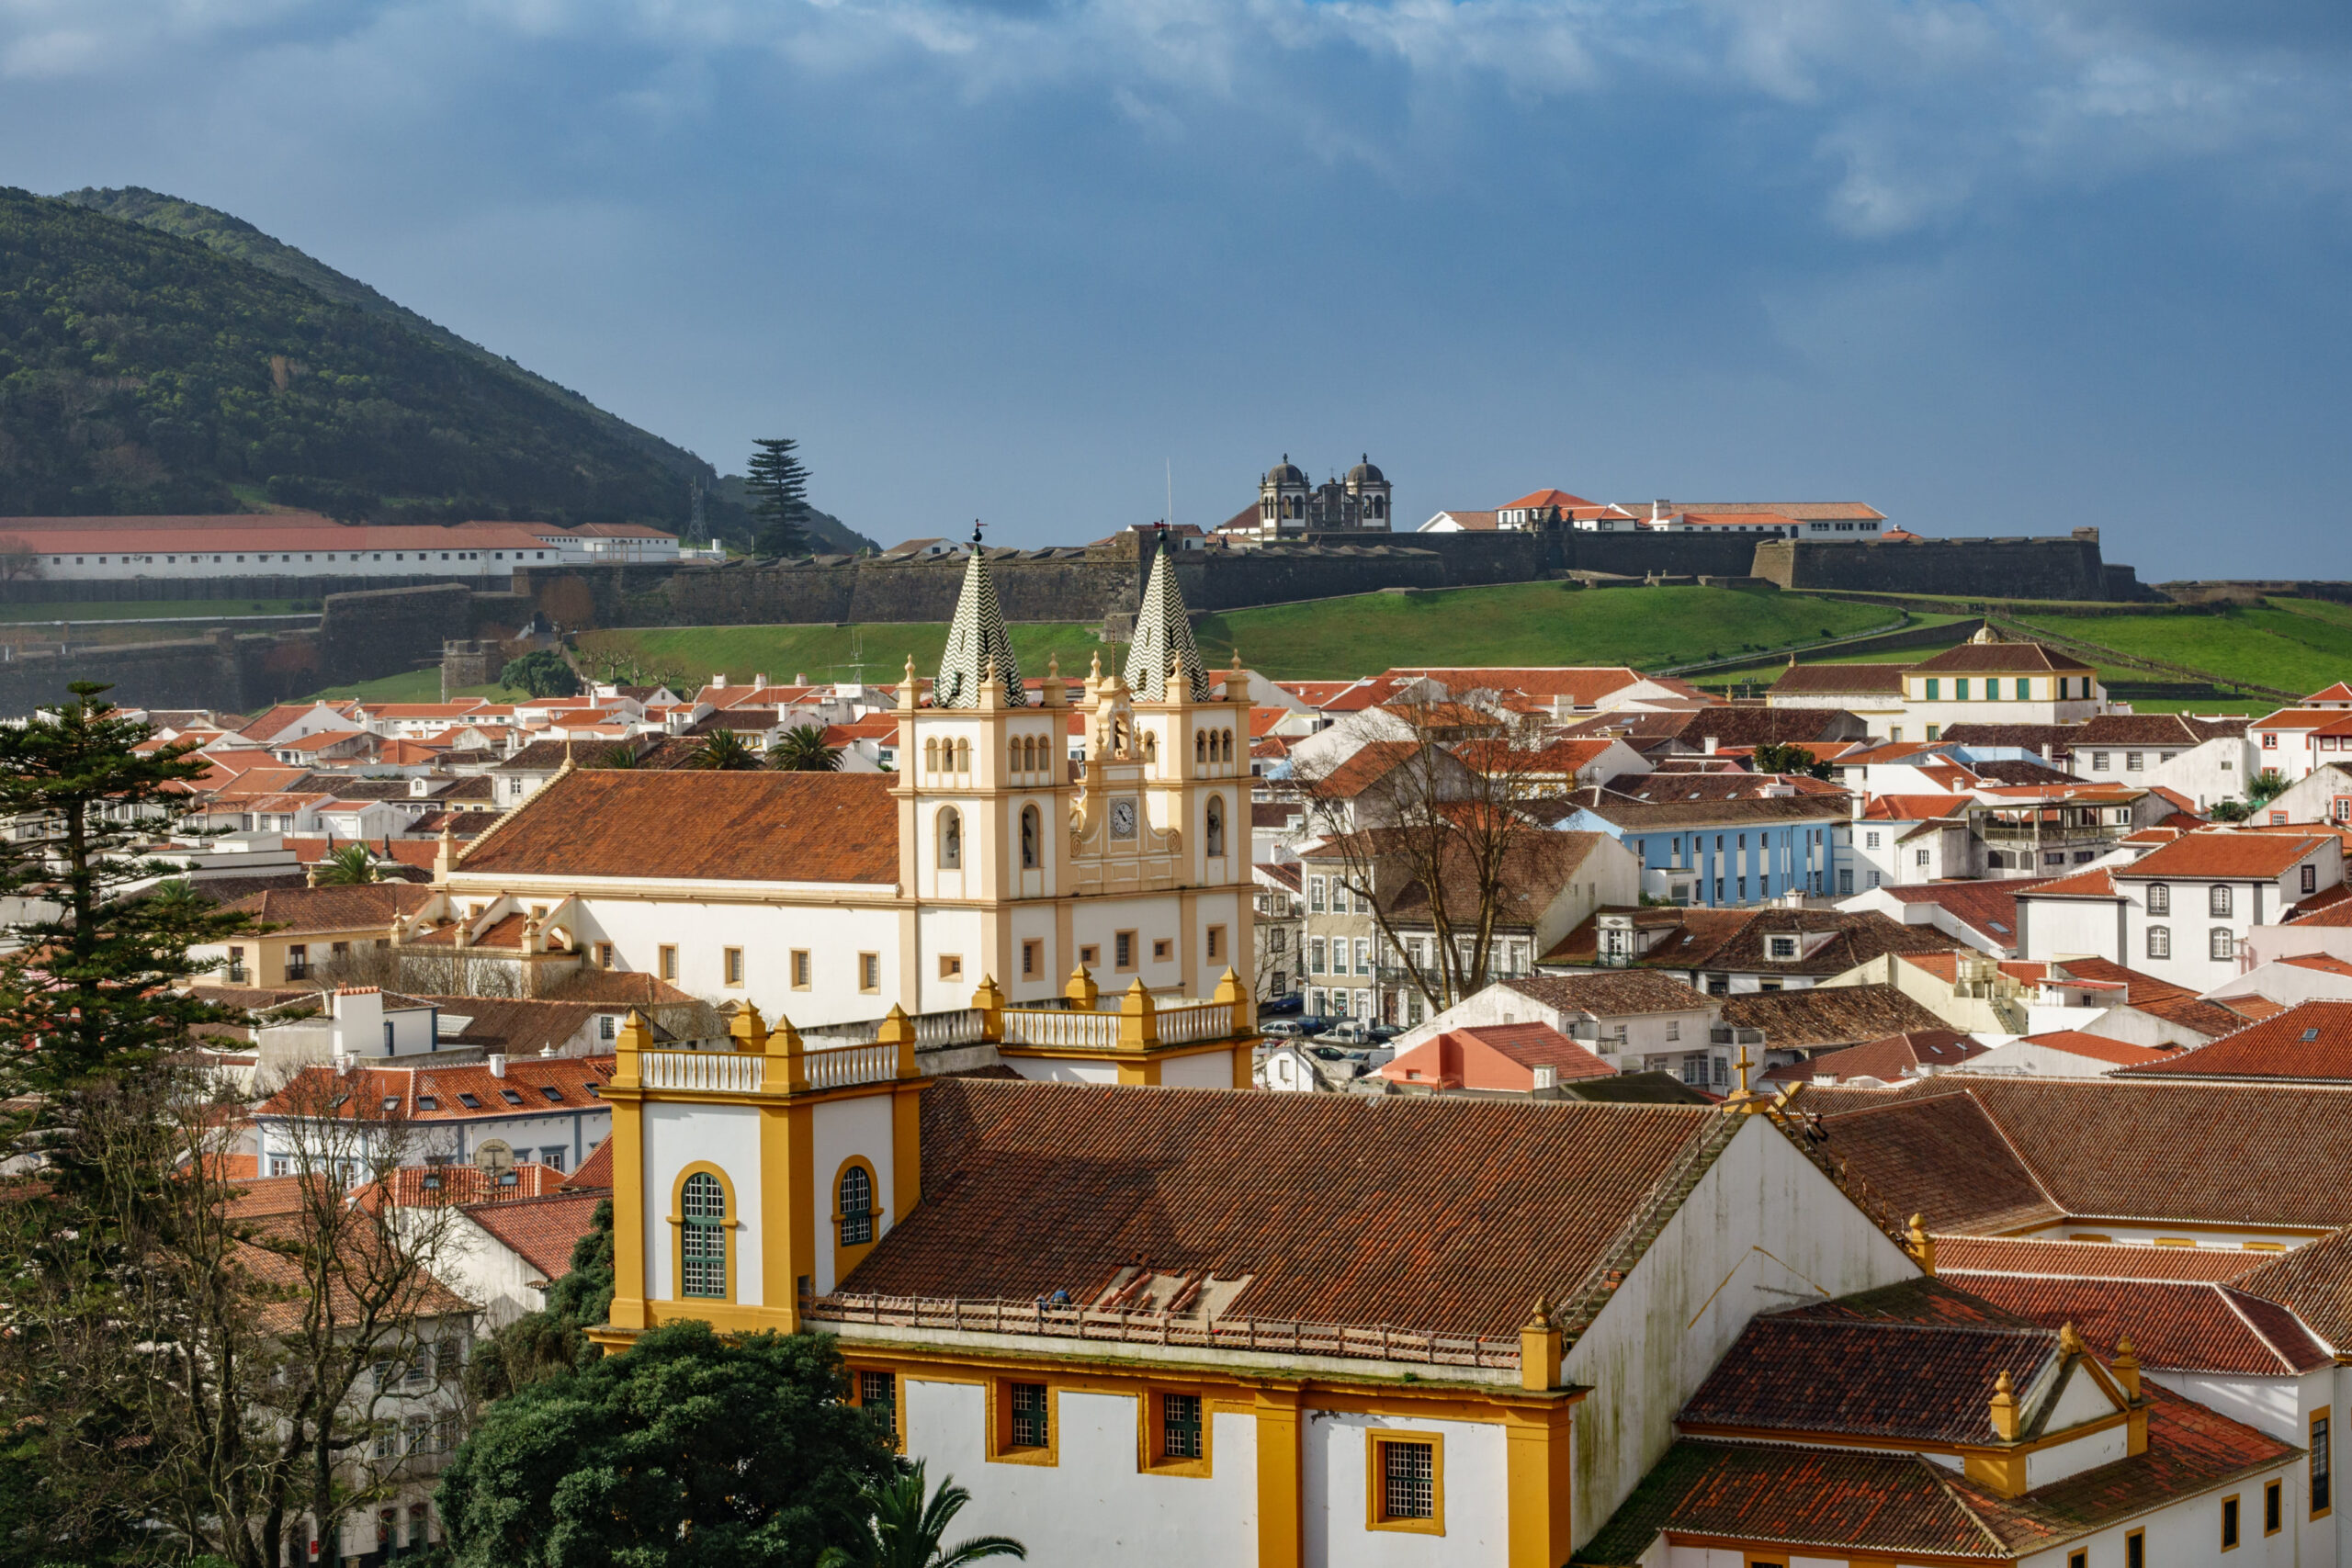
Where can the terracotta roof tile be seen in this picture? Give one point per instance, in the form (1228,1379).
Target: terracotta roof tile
(1989,1255)
(1610,993)
(2310,1041)
(2174,1326)
(1999,657)
(1819,1016)
(595,1172)
(2223,854)
(2315,1282)
(541,1231)
(746,826)
(2122,1147)
(2098,1048)
(1031,1188)
(302,911)
(1895,1056)
(1859,679)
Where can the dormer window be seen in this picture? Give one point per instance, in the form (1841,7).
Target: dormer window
(1783,946)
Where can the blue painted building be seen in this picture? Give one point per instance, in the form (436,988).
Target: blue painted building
(1721,852)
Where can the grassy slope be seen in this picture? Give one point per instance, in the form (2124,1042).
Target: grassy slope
(827,653)
(2300,645)
(413,686)
(1525,623)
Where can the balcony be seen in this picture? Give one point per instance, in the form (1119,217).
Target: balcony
(754,1060)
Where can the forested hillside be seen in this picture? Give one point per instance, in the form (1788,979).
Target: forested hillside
(142,372)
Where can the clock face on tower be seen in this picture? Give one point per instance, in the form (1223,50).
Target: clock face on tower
(1122,819)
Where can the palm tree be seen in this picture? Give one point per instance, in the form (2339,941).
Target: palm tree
(904,1529)
(350,867)
(723,752)
(621,755)
(802,749)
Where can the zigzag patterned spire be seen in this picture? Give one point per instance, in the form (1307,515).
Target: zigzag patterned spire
(977,645)
(1163,641)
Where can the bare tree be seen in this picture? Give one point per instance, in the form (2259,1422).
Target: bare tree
(1440,806)
(18,560)
(215,1347)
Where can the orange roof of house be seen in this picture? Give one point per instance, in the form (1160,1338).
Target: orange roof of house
(1913,808)
(2223,854)
(1735,519)
(1583,685)
(2074,1043)
(746,826)
(2082,885)
(1551,498)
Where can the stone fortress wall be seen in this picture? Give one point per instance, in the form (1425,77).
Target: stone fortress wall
(383,631)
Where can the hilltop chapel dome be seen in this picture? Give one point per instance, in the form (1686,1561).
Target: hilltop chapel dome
(1364,473)
(1285,473)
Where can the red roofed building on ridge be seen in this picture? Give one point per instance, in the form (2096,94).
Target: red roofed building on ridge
(83,549)
(1497,1058)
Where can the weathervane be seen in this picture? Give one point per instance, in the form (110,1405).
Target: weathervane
(977,526)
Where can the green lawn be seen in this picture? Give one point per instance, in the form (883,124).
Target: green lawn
(1535,623)
(415,686)
(2297,645)
(156,609)
(693,654)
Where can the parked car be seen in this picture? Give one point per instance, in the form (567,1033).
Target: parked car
(1312,1024)
(1292,1002)
(1351,1030)
(1382,1032)
(1281,1029)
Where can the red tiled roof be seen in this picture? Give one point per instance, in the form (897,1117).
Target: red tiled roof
(1998,658)
(1988,906)
(1887,1059)
(1977,1153)
(541,1231)
(2315,1282)
(1585,685)
(2074,1041)
(746,826)
(2310,1041)
(303,911)
(1032,1188)
(2082,885)
(1451,1059)
(541,1087)
(595,1172)
(2219,853)
(1818,1016)
(1546,498)
(1924,1372)
(1849,1502)
(2174,1326)
(1990,1254)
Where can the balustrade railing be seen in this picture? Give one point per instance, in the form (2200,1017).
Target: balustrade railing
(714,1072)
(1069,1320)
(1184,1025)
(1091,1031)
(846,1064)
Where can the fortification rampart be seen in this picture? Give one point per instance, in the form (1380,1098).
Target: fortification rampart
(1978,569)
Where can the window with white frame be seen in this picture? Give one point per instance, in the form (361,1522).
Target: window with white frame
(2221,945)
(2218,901)
(2160,942)
(2159,898)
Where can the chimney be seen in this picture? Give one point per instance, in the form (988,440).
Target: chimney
(1858,803)
(497,1062)
(1546,1077)
(1658,510)
(1711,742)
(758,680)
(718,681)
(2003,1408)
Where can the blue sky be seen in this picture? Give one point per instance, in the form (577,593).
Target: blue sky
(2005,266)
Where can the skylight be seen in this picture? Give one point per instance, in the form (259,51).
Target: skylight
(510,1096)
(470,1102)
(427,1103)
(552,1092)
(2311,1033)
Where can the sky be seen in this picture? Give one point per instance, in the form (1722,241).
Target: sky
(1995,267)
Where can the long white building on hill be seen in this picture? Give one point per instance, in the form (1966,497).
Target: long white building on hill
(80,549)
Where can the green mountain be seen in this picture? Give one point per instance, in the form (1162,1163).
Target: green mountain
(157,355)
(231,236)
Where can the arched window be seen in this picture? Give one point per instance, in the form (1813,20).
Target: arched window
(1032,839)
(951,839)
(1228,746)
(1151,746)
(1200,746)
(931,755)
(702,1236)
(1215,836)
(963,756)
(1118,738)
(856,1206)
(1013,754)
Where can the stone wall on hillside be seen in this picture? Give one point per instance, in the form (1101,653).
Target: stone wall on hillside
(41,591)
(2020,568)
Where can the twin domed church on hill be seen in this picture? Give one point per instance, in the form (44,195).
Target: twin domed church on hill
(1288,502)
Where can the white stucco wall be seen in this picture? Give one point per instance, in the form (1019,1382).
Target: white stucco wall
(1334,1471)
(841,1128)
(677,1136)
(1763,1230)
(1212,1070)
(1095,1505)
